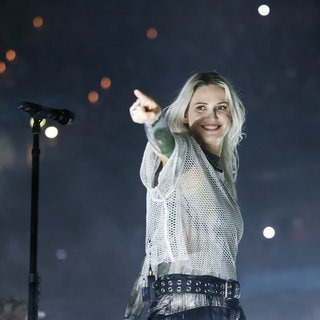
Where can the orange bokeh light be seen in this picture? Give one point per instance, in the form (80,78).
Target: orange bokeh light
(152,33)
(105,83)
(93,96)
(11,55)
(37,22)
(3,67)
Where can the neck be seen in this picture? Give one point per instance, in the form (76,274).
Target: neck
(215,150)
(213,159)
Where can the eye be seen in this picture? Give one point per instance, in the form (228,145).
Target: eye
(201,107)
(222,107)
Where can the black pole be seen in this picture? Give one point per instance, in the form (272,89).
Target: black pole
(33,275)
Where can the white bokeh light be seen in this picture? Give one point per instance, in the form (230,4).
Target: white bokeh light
(51,132)
(269,232)
(61,254)
(264,10)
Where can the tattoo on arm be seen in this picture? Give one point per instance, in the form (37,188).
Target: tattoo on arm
(160,137)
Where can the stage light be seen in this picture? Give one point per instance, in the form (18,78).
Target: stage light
(264,10)
(51,132)
(269,232)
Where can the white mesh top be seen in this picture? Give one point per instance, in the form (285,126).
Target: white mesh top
(193,224)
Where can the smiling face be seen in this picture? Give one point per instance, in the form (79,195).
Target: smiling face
(208,117)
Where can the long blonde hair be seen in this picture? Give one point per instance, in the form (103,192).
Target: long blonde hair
(176,112)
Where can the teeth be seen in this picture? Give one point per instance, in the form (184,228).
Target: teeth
(211,127)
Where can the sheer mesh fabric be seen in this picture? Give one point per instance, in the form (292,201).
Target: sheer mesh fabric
(193,224)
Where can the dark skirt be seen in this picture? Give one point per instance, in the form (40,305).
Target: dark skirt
(204,313)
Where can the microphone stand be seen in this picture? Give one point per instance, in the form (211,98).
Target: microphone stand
(63,116)
(34,278)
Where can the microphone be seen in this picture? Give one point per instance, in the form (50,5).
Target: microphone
(37,111)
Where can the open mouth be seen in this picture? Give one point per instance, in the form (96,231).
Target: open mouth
(211,127)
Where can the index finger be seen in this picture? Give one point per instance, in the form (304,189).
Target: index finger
(144,99)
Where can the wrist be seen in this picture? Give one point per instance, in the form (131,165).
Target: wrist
(155,120)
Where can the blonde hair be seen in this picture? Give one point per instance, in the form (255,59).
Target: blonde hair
(176,112)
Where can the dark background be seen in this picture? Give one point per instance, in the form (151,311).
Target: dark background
(91,208)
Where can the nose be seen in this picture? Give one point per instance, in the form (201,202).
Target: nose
(214,114)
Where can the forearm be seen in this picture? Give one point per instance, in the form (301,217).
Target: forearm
(160,137)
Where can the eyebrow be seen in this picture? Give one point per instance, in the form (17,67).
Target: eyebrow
(222,102)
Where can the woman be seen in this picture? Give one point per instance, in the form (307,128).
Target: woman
(194,225)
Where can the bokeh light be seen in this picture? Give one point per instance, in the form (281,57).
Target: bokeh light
(11,55)
(93,96)
(264,10)
(51,132)
(3,67)
(37,22)
(105,83)
(152,33)
(61,254)
(269,232)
